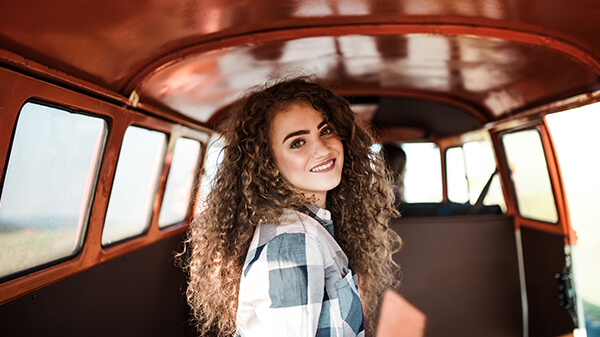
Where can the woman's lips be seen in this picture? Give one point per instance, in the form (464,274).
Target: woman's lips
(324,167)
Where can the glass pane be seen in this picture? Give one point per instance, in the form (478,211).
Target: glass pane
(138,170)
(179,183)
(212,160)
(481,164)
(575,138)
(48,186)
(494,195)
(423,177)
(529,173)
(458,189)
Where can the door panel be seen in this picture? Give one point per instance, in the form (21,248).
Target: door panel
(138,294)
(543,258)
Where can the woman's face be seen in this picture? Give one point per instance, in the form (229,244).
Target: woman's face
(307,152)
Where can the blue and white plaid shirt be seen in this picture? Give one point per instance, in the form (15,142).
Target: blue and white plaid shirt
(297,281)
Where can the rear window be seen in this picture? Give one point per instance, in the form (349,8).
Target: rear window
(458,183)
(423,176)
(48,186)
(136,179)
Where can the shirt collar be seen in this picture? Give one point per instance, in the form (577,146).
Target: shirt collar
(322,216)
(321,213)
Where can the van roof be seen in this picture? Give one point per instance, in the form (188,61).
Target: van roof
(467,63)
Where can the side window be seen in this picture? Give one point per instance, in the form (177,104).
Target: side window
(212,160)
(136,179)
(423,176)
(469,169)
(529,173)
(48,186)
(179,183)
(575,138)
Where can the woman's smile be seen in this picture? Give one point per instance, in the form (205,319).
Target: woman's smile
(329,165)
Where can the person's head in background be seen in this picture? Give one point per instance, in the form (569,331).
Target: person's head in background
(396,160)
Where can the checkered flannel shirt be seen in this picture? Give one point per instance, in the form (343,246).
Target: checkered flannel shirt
(297,281)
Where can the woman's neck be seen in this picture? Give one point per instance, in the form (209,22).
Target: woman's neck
(317,199)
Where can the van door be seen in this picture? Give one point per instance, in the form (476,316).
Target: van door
(575,139)
(535,197)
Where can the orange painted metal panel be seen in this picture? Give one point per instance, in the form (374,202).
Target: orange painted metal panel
(21,89)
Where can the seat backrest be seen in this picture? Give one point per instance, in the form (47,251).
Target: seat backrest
(462,273)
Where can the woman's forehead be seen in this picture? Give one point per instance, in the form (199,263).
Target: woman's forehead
(297,116)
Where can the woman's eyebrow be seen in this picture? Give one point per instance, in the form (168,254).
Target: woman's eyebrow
(302,132)
(294,134)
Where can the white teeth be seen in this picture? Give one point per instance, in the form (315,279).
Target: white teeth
(321,168)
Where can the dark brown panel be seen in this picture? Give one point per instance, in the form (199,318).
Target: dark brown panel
(138,294)
(543,255)
(462,273)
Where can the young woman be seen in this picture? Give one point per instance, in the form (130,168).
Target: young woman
(298,208)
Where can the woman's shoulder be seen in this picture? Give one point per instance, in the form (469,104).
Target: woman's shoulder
(293,235)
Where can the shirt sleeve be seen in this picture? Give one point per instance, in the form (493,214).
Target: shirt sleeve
(283,290)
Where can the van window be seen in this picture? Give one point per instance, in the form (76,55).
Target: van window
(456,174)
(48,186)
(423,176)
(529,174)
(469,168)
(136,178)
(575,137)
(179,183)
(212,160)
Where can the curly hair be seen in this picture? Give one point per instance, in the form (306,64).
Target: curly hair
(248,190)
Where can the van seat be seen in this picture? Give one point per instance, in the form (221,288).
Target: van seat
(462,273)
(445,208)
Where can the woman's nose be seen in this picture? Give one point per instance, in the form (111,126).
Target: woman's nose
(321,149)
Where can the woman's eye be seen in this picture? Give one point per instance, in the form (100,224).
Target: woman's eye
(326,131)
(297,143)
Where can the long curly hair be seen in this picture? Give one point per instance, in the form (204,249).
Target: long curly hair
(248,190)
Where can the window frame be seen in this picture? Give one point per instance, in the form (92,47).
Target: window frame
(561,226)
(153,193)
(82,236)
(119,113)
(514,185)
